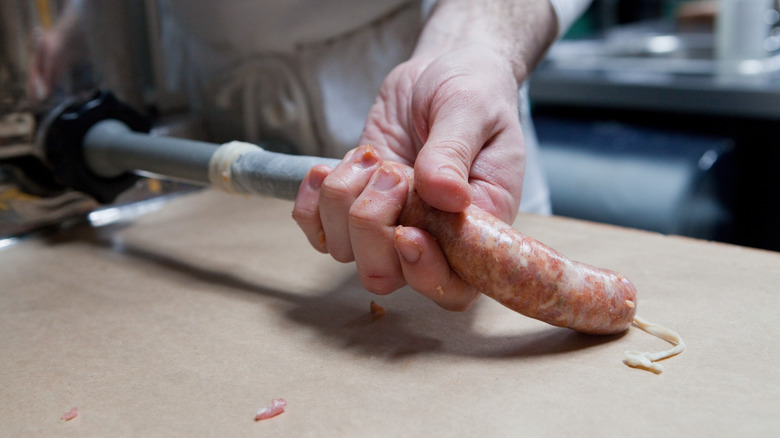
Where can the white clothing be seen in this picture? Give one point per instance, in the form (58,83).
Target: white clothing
(304,72)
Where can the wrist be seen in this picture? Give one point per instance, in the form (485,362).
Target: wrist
(520,31)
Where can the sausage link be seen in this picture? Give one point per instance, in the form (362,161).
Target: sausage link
(524,274)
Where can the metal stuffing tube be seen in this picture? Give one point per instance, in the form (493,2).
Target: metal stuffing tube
(112,149)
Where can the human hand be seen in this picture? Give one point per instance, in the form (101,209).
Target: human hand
(454,118)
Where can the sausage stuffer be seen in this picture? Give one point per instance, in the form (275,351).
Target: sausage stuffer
(101,142)
(101,146)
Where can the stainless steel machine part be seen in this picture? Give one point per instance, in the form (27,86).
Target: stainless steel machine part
(112,149)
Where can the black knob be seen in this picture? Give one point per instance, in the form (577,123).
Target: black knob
(63,143)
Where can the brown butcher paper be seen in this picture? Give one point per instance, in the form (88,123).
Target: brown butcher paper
(186,321)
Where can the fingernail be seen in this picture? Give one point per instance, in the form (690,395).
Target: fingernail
(409,250)
(315,181)
(316,177)
(385,179)
(365,156)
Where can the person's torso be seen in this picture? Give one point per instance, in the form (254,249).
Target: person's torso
(257,26)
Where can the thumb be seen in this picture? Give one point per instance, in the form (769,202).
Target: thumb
(454,127)
(456,112)
(441,173)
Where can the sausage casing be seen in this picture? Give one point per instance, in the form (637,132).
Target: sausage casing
(524,274)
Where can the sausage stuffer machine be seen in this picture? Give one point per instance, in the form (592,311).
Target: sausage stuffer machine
(100,147)
(96,147)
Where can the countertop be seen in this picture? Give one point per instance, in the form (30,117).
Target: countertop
(187,320)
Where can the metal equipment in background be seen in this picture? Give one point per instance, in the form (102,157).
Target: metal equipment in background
(652,94)
(651,179)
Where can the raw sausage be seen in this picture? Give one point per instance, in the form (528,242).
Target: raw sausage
(524,274)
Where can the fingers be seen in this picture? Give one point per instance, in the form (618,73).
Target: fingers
(337,195)
(306,212)
(426,270)
(325,197)
(351,213)
(372,221)
(387,256)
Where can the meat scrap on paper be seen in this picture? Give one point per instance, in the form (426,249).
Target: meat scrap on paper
(377,311)
(276,408)
(71,414)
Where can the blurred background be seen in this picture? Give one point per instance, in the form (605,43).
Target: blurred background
(663,115)
(655,114)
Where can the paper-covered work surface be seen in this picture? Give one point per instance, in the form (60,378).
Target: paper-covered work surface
(189,320)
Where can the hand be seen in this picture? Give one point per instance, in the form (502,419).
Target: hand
(453,118)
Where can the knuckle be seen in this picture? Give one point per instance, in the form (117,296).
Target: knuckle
(361,218)
(304,217)
(459,150)
(342,255)
(460,305)
(335,189)
(455,297)
(381,285)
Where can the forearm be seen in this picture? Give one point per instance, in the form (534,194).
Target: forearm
(518,30)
